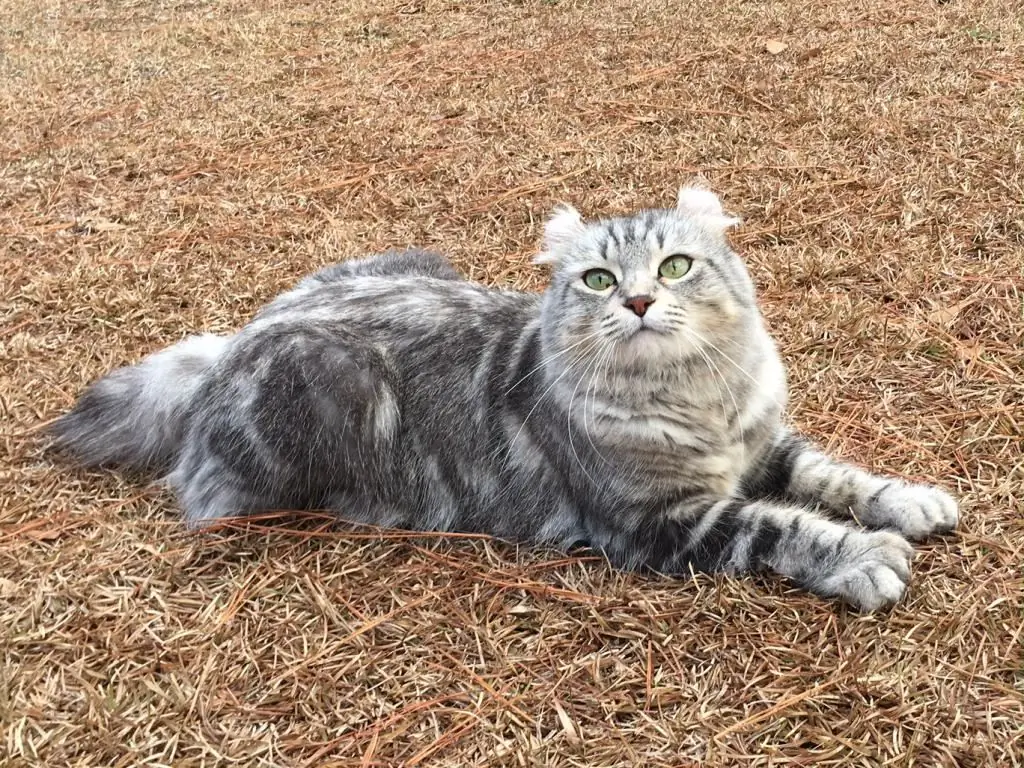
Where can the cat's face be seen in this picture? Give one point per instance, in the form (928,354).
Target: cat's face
(657,285)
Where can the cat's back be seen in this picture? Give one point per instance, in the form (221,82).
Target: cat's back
(397,304)
(423,325)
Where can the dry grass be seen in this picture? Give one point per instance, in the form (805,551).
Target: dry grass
(168,166)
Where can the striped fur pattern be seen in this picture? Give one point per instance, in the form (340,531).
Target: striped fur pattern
(638,412)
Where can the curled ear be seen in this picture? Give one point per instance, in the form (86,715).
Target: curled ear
(696,202)
(564,228)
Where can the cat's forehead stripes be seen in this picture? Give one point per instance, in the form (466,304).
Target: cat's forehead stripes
(618,234)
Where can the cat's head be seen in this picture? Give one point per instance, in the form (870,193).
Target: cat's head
(658,284)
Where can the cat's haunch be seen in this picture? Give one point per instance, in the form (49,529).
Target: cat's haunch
(635,405)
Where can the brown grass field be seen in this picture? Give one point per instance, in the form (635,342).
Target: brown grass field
(168,166)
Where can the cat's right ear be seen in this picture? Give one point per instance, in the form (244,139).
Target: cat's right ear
(564,228)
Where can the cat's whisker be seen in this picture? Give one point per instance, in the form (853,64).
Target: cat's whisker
(568,418)
(550,387)
(604,361)
(719,376)
(725,357)
(601,364)
(552,357)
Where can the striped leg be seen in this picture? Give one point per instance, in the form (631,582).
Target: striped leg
(795,470)
(869,569)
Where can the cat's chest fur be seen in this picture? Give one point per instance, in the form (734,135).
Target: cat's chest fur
(678,437)
(667,451)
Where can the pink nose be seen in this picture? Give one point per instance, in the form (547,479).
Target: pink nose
(639,304)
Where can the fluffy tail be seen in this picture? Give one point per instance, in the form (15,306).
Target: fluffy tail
(135,417)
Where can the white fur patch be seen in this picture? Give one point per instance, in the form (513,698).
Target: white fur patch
(699,203)
(386,417)
(769,394)
(917,511)
(207,345)
(171,375)
(564,228)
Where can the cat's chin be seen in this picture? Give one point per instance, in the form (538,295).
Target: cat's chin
(652,345)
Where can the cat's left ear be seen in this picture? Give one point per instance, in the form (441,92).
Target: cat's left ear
(563,230)
(699,203)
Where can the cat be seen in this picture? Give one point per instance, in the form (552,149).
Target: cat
(635,407)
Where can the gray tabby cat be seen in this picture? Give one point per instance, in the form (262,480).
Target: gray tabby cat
(635,407)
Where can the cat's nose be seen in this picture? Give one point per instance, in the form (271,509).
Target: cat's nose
(639,304)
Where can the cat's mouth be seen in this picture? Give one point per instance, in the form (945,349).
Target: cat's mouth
(645,329)
(644,335)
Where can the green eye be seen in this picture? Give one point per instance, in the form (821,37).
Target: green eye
(675,267)
(598,279)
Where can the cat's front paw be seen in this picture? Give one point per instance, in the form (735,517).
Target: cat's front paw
(916,511)
(872,571)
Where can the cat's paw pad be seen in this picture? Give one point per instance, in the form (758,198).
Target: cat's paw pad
(916,511)
(873,570)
